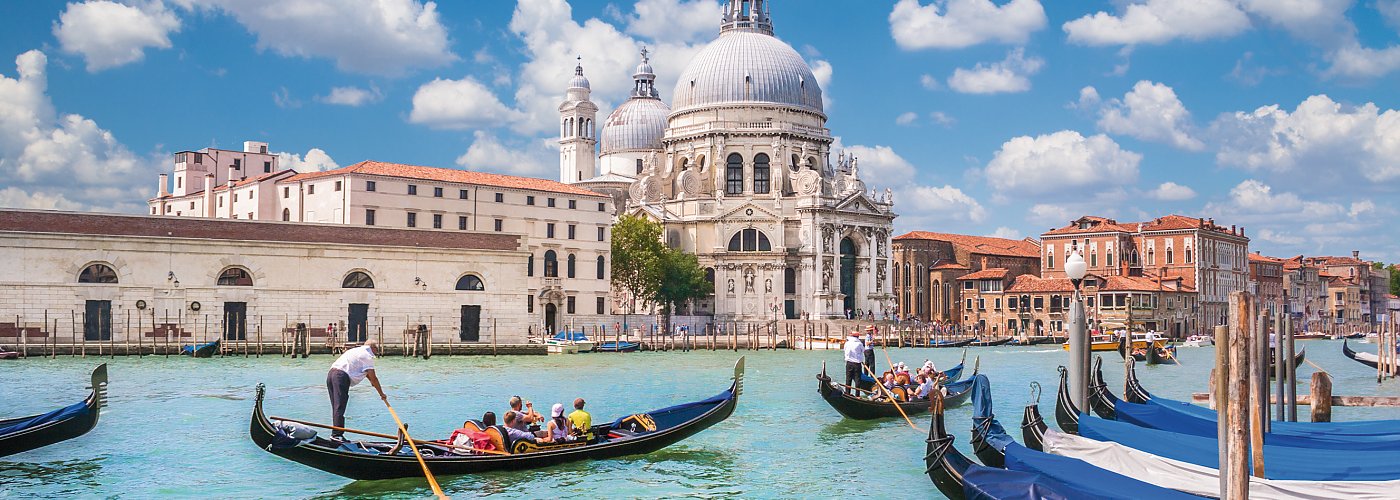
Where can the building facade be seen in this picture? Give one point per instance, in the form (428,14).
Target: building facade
(927,266)
(998,304)
(1266,281)
(1356,291)
(1307,294)
(119,278)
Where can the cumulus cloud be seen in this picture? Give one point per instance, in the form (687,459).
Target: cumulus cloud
(954,24)
(1321,22)
(13,197)
(1060,162)
(943,203)
(352,96)
(1009,75)
(533,158)
(1390,10)
(1254,197)
(459,104)
(1353,61)
(1171,191)
(1049,214)
(382,37)
(108,34)
(1151,112)
(1160,21)
(315,160)
(929,82)
(1006,233)
(1318,135)
(942,118)
(881,163)
(906,118)
(61,160)
(674,20)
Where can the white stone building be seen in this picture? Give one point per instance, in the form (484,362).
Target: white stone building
(740,171)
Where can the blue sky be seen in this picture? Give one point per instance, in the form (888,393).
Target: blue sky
(1004,118)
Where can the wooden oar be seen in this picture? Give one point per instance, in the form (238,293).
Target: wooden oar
(894,402)
(432,481)
(386,436)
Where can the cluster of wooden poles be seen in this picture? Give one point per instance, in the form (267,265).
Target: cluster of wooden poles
(1388,365)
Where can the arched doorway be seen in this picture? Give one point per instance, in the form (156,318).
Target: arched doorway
(551,319)
(848,273)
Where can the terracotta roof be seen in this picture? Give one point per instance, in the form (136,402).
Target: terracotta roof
(370,167)
(1030,283)
(948,265)
(157,226)
(1171,222)
(1254,257)
(237,184)
(994,273)
(1096,225)
(980,244)
(1130,284)
(1336,261)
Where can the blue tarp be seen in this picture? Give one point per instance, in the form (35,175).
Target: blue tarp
(1280,462)
(986,483)
(1166,416)
(60,414)
(1364,428)
(571,336)
(187,349)
(984,421)
(1086,481)
(954,372)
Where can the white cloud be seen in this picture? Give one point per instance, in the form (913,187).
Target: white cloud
(1088,99)
(1390,10)
(352,96)
(283,99)
(954,24)
(942,118)
(1171,191)
(929,82)
(1006,233)
(1321,22)
(1151,112)
(459,104)
(13,197)
(62,161)
(906,118)
(822,70)
(382,37)
(1010,75)
(1353,61)
(532,157)
(108,34)
(1049,214)
(315,160)
(1278,237)
(1064,162)
(1319,135)
(880,163)
(942,203)
(1248,74)
(1253,197)
(674,20)
(1160,21)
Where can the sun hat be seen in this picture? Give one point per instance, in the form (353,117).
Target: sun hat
(558,410)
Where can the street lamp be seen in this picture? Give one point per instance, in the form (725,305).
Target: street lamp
(1075,268)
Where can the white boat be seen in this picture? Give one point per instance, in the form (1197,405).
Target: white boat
(1199,341)
(579,341)
(554,347)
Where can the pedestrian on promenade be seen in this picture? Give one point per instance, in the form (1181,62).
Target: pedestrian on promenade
(355,365)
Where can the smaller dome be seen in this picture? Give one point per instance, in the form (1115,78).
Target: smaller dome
(579,81)
(638,124)
(644,69)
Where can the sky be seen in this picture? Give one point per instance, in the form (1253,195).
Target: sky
(1003,118)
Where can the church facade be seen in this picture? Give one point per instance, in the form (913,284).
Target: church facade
(740,171)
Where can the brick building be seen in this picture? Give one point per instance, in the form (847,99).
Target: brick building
(1356,293)
(1266,281)
(998,304)
(1307,293)
(928,265)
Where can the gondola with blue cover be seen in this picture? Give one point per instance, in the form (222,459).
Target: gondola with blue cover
(205,350)
(859,408)
(617,346)
(22,434)
(633,434)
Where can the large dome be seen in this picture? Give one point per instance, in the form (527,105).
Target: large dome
(637,124)
(746,66)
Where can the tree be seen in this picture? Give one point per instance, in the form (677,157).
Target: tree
(1395,279)
(682,280)
(636,252)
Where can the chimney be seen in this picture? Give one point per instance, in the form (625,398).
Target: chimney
(1232,229)
(209,195)
(231,178)
(1356,254)
(1241,230)
(164,189)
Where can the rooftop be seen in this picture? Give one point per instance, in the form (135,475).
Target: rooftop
(1030,283)
(994,273)
(986,245)
(418,172)
(1173,222)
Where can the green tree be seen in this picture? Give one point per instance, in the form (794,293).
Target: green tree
(636,255)
(1395,279)
(682,280)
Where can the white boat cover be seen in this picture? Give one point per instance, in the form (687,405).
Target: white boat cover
(1200,480)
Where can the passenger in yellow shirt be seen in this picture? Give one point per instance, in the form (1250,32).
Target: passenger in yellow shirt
(581,419)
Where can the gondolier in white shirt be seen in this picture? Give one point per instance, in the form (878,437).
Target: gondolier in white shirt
(355,365)
(855,357)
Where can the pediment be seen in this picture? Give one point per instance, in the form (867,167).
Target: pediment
(858,203)
(749,211)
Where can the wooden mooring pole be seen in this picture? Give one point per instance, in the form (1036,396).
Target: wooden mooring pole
(1321,392)
(1236,439)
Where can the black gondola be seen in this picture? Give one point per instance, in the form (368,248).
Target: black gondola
(1032,424)
(1124,349)
(1164,355)
(36,431)
(1364,358)
(631,435)
(1045,340)
(205,350)
(945,465)
(1101,400)
(864,409)
(949,343)
(992,343)
(1066,412)
(1297,358)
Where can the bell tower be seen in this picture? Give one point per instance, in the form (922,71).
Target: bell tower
(578,133)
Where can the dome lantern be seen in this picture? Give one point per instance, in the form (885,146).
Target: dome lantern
(746,15)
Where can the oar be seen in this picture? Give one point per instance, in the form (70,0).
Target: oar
(385,436)
(894,402)
(432,481)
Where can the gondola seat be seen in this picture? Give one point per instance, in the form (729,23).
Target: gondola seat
(900,394)
(499,437)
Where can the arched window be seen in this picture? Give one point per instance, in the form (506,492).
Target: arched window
(1170,256)
(470,283)
(734,174)
(602,267)
(796,163)
(286,214)
(357,279)
(710,275)
(235,276)
(572,261)
(760,174)
(98,273)
(551,264)
(750,240)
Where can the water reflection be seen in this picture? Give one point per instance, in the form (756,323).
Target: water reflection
(78,474)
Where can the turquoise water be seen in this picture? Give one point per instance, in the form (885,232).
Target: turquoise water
(179,427)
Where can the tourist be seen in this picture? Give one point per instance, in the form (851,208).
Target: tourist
(560,430)
(925,387)
(581,420)
(355,365)
(488,419)
(855,355)
(515,429)
(523,419)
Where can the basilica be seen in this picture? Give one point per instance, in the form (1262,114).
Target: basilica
(739,169)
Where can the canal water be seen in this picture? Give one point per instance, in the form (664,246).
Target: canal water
(179,427)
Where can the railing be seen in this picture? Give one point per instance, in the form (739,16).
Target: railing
(745,126)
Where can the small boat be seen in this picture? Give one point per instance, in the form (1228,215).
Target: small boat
(1199,341)
(1311,336)
(578,340)
(36,431)
(1364,358)
(1297,359)
(859,408)
(560,348)
(617,346)
(205,350)
(949,343)
(8,354)
(991,343)
(1138,353)
(633,434)
(1110,343)
(1045,340)
(1354,336)
(1162,356)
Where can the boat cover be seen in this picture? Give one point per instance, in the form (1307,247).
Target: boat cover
(571,336)
(1280,462)
(58,415)
(1086,480)
(1362,428)
(984,422)
(1158,415)
(1202,480)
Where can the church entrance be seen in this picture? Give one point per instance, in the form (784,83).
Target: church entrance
(848,273)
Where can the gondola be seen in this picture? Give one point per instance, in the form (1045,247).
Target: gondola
(1045,340)
(1297,359)
(864,409)
(1123,350)
(950,343)
(1364,358)
(1354,336)
(35,431)
(617,346)
(992,343)
(629,435)
(205,350)
(8,354)
(1162,356)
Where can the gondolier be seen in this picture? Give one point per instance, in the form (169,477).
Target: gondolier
(855,356)
(355,365)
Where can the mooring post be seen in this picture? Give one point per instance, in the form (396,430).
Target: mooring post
(1237,466)
(1258,390)
(1220,391)
(1321,392)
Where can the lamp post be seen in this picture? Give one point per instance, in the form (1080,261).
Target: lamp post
(1075,269)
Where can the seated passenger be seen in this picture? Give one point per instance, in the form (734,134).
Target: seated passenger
(925,387)
(523,418)
(560,429)
(581,420)
(488,419)
(889,380)
(515,433)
